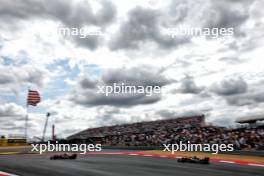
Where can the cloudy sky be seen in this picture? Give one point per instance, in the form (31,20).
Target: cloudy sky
(219,77)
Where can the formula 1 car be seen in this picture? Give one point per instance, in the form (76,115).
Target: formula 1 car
(194,159)
(64,156)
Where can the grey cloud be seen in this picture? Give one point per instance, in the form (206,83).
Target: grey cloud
(11,116)
(21,75)
(228,14)
(19,9)
(237,92)
(87,95)
(143,25)
(188,86)
(69,131)
(6,78)
(178,10)
(88,83)
(69,13)
(229,87)
(226,17)
(144,75)
(250,98)
(33,75)
(91,42)
(168,114)
(83,14)
(193,113)
(109,117)
(210,14)
(232,60)
(11,109)
(113,111)
(13,128)
(92,99)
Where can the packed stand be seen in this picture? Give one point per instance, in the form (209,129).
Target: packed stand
(173,131)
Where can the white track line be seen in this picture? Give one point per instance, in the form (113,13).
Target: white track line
(177,157)
(133,154)
(147,155)
(6,174)
(261,165)
(114,153)
(223,161)
(163,156)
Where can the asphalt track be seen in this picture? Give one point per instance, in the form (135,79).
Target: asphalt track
(117,165)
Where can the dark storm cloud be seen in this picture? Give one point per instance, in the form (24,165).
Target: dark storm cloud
(229,87)
(143,25)
(87,95)
(69,13)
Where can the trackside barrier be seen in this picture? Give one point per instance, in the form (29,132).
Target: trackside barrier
(236,152)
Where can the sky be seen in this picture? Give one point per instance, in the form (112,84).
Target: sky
(220,77)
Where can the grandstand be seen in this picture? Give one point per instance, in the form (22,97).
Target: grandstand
(186,129)
(250,119)
(99,132)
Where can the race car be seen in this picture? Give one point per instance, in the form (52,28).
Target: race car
(194,159)
(64,156)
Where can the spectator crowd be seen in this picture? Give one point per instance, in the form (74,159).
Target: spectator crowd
(157,133)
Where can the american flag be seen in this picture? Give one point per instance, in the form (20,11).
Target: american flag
(33,98)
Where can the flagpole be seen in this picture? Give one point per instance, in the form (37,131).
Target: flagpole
(26,119)
(26,122)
